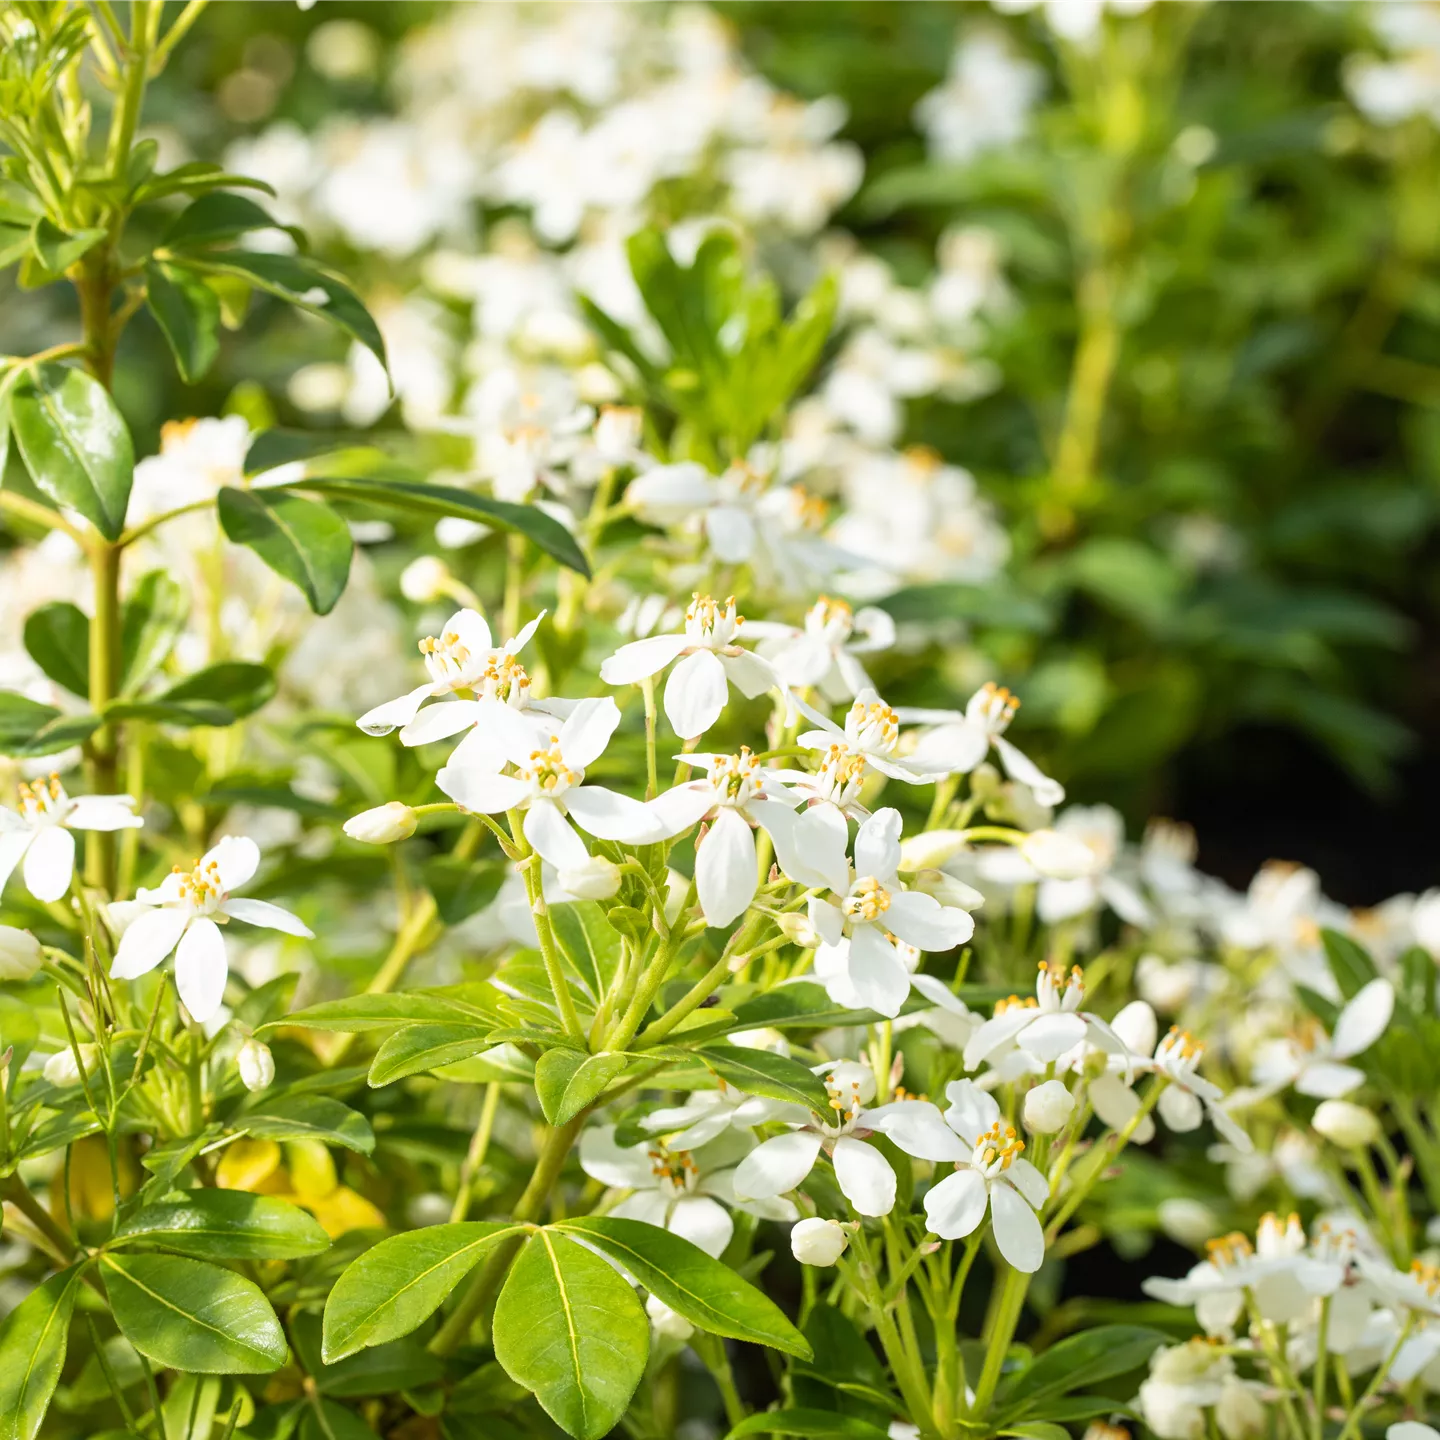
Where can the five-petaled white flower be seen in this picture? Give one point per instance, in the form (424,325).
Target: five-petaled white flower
(548,785)
(1313,1061)
(461,657)
(1045,1027)
(859,958)
(960,741)
(40,833)
(710,662)
(184,914)
(871,731)
(822,652)
(706,1114)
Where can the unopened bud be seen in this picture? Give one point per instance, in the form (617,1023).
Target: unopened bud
(596,879)
(61,1067)
(1058,856)
(798,929)
(667,1322)
(1239,1412)
(383,825)
(425,579)
(818,1242)
(20,956)
(947,889)
(1345,1124)
(1048,1107)
(256,1063)
(931,849)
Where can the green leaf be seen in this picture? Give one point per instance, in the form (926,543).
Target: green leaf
(216,217)
(417,1048)
(571,1331)
(74,443)
(304,542)
(382,1012)
(189,1316)
(589,942)
(1079,1362)
(802,1004)
(33,1340)
(187,311)
(227,1225)
(310,1117)
(57,639)
(150,623)
(1350,963)
(1038,1430)
(218,695)
(57,250)
(822,1424)
(30,728)
(325,1420)
(762,1072)
(708,1294)
(401,1282)
(567,1081)
(462,887)
(542,530)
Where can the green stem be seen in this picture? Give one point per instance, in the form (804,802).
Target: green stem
(475,1157)
(652,778)
(1322,1357)
(545,933)
(1007,1317)
(103,747)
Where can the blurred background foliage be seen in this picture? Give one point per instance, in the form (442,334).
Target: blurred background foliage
(1209,421)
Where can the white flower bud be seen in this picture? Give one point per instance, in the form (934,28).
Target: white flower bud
(257,1064)
(61,1069)
(818,1242)
(425,579)
(383,825)
(666,1322)
(1058,856)
(947,889)
(799,930)
(596,879)
(1239,1412)
(1345,1124)
(20,956)
(1137,1027)
(931,849)
(1048,1107)
(1186,1220)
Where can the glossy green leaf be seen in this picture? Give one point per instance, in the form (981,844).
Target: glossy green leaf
(382,1012)
(150,623)
(325,1420)
(570,1330)
(401,1282)
(227,1225)
(74,443)
(589,942)
(57,639)
(1350,963)
(57,250)
(820,1424)
(187,311)
(30,728)
(706,1292)
(462,887)
(218,695)
(416,1048)
(33,1340)
(193,1317)
(567,1081)
(310,1117)
(763,1072)
(306,543)
(217,216)
(1079,1362)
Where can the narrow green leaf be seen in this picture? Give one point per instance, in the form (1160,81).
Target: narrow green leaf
(708,1294)
(57,639)
(215,217)
(820,1424)
(187,311)
(227,1225)
(57,250)
(381,1012)
(567,1081)
(325,1420)
(311,1117)
(74,443)
(302,541)
(33,1340)
(218,695)
(462,887)
(189,1316)
(417,1048)
(1079,1362)
(150,623)
(570,1330)
(589,942)
(762,1072)
(30,728)
(401,1282)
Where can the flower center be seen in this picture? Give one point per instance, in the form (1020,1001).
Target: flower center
(1054,987)
(711,624)
(737,778)
(997,1149)
(830,620)
(995,707)
(868,900)
(1015,1002)
(840,776)
(43,800)
(1426,1276)
(844,1099)
(1228,1250)
(872,727)
(447,658)
(200,886)
(1279,1237)
(809,511)
(675,1171)
(1178,1054)
(547,770)
(504,679)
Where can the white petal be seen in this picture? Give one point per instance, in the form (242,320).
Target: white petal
(1362,1022)
(587,731)
(103,812)
(749,674)
(1228,1130)
(1137,1028)
(725,869)
(971,1111)
(826,920)
(522,636)
(678,809)
(695,694)
(201,968)
(1019,766)
(147,940)
(271,917)
(918,1128)
(552,837)
(640,658)
(954,749)
(877,972)
(731,533)
(612,816)
(50,863)
(439,722)
(473,632)
(877,845)
(668,493)
(922,921)
(237,857)
(481,749)
(1029,1182)
(801,661)
(995,1034)
(1115,1103)
(777,1165)
(13,844)
(939,994)
(955,1206)
(1326,1080)
(809,847)
(1017,1229)
(650,1207)
(1048,1037)
(626,1167)
(482,791)
(702,1222)
(1179,1109)
(393,713)
(865,1176)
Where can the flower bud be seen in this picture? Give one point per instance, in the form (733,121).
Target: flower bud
(818,1242)
(596,879)
(667,1323)
(1048,1107)
(931,849)
(1137,1027)
(799,930)
(257,1064)
(947,889)
(1345,1124)
(20,956)
(1058,856)
(383,825)
(1239,1412)
(425,579)
(61,1069)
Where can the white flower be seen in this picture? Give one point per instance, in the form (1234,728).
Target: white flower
(1048,1107)
(383,825)
(1351,1126)
(859,958)
(735,793)
(20,954)
(814,1241)
(1045,1027)
(865,1176)
(990,1172)
(871,732)
(40,833)
(425,580)
(184,914)
(1418,1292)
(1099,831)
(709,1113)
(1184,1380)
(985,101)
(1313,1061)
(961,741)
(548,784)
(256,1064)
(710,659)
(822,652)
(667,1323)
(1189,1096)
(677,1190)
(62,1068)
(597,879)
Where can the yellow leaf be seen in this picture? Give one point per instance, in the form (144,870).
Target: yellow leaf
(248,1165)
